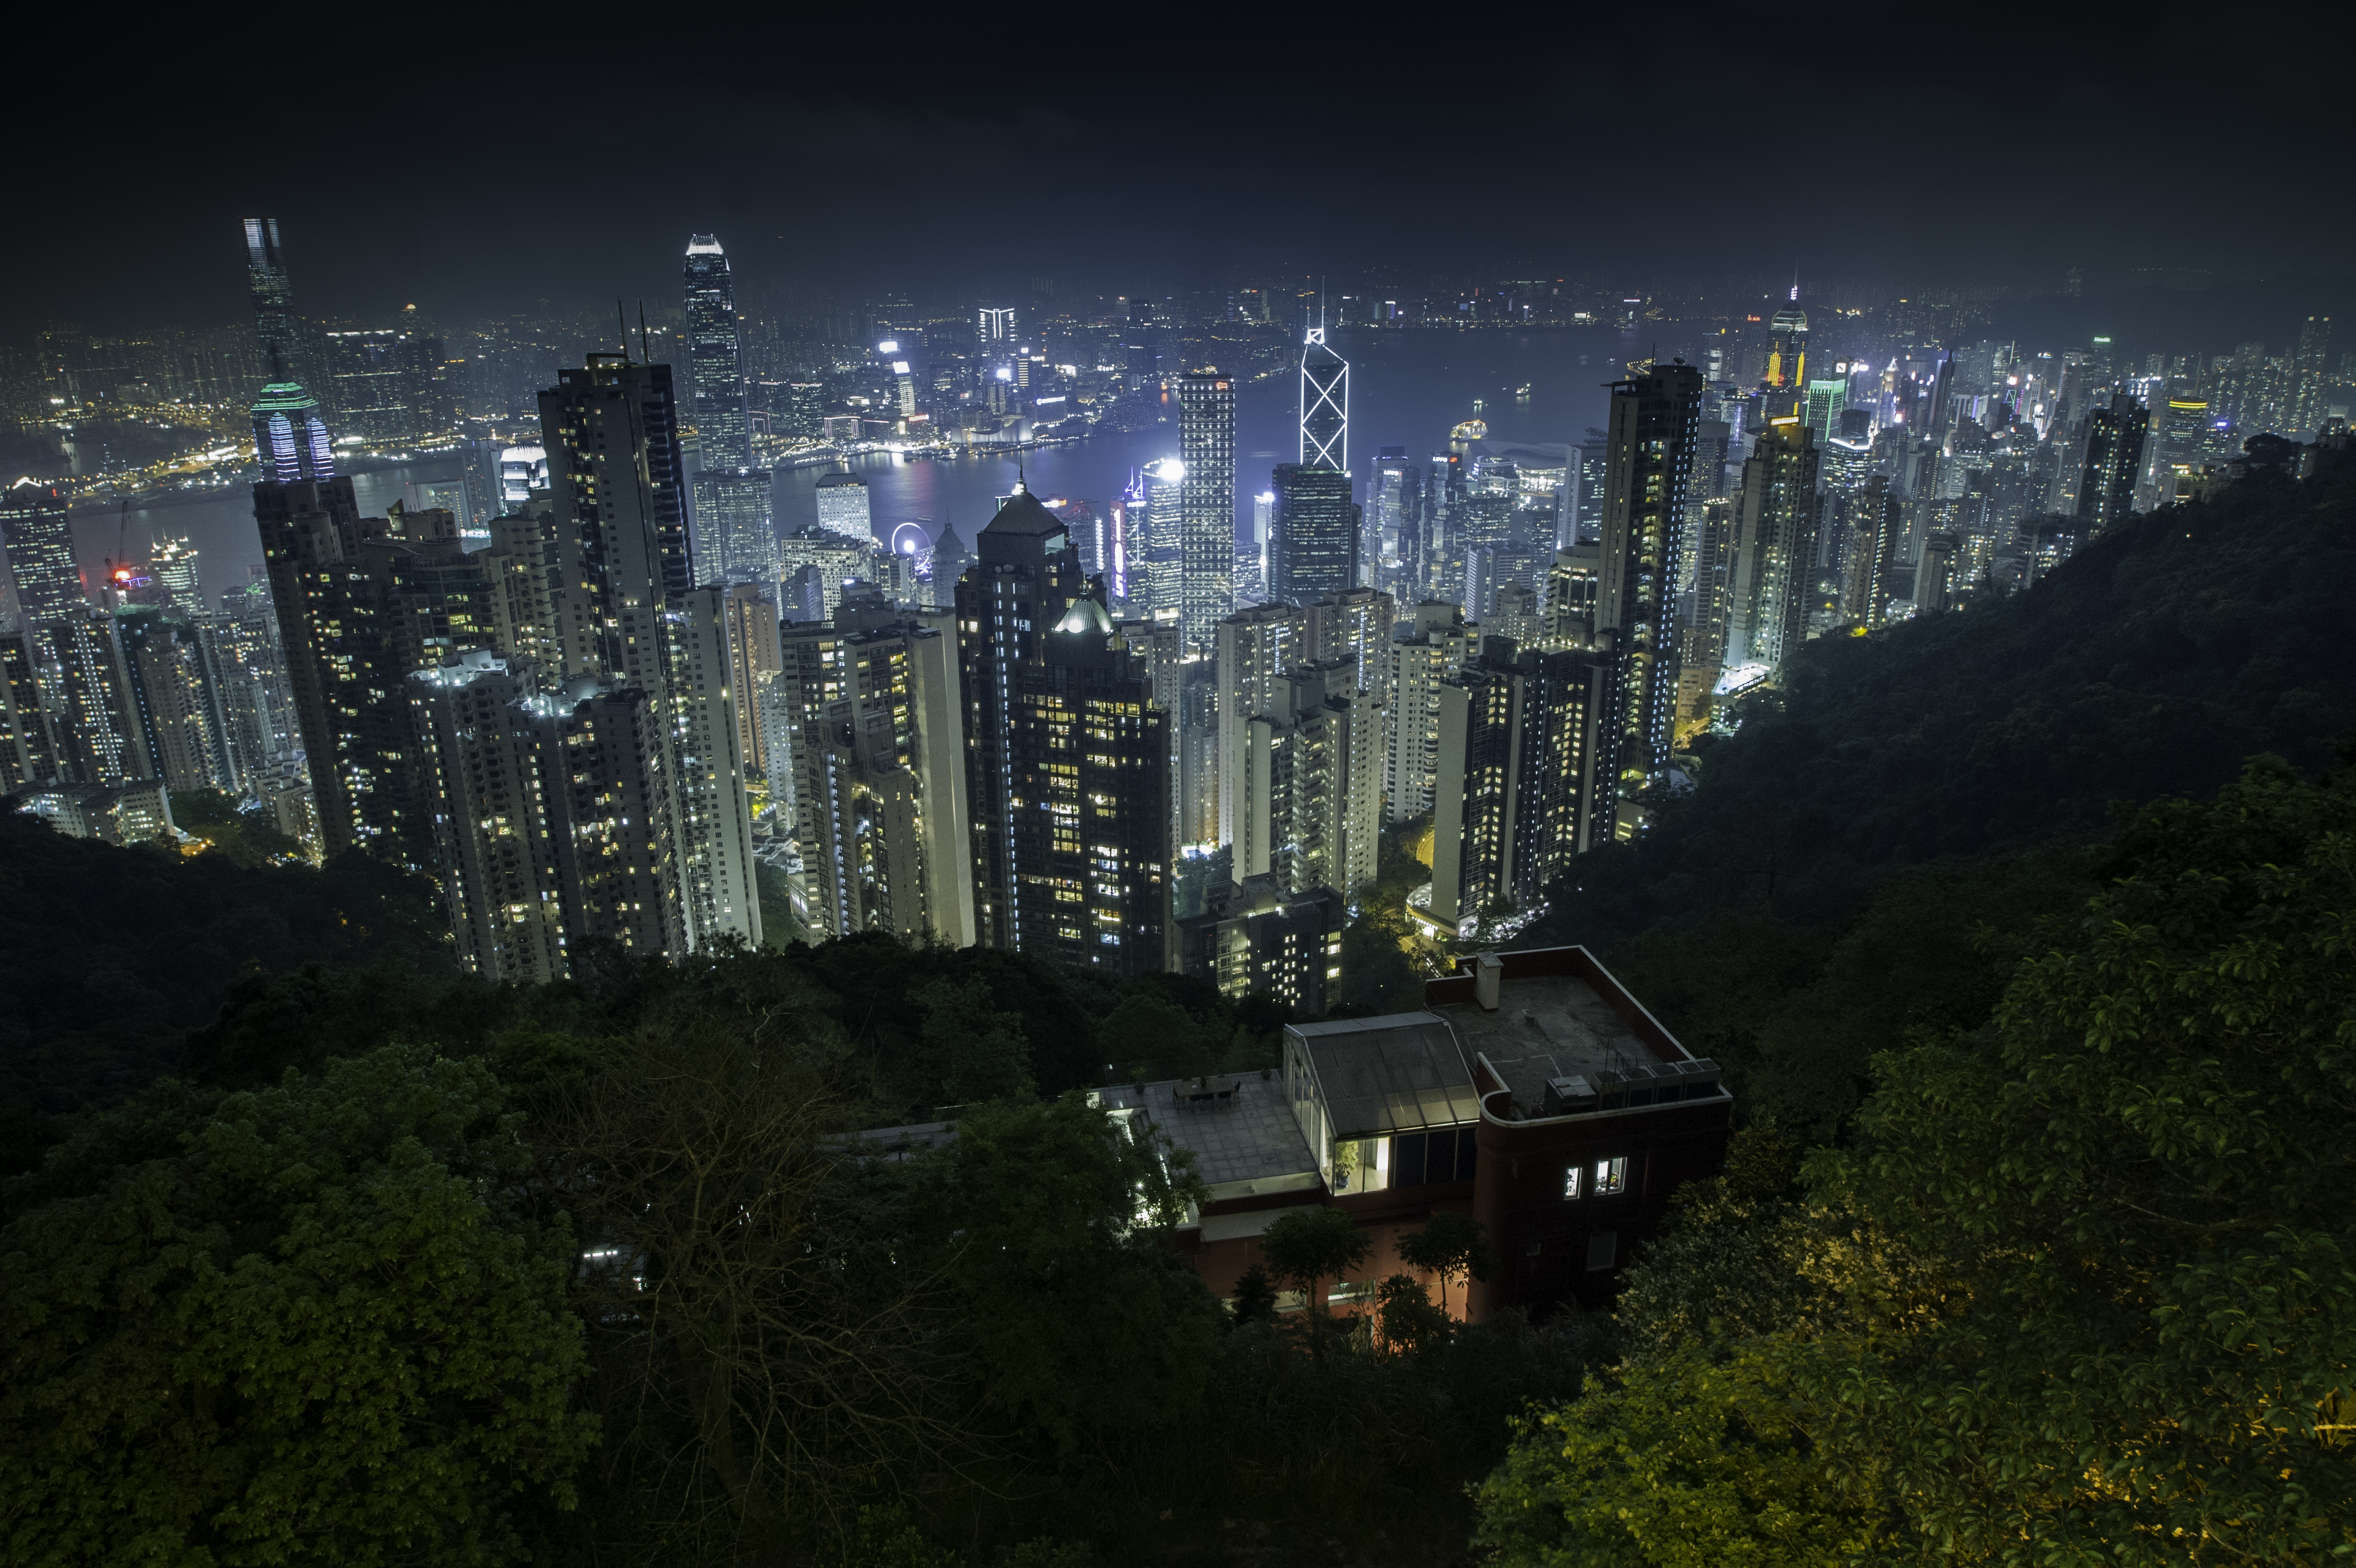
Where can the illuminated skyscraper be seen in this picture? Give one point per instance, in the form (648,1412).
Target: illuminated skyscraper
(616,476)
(283,356)
(1324,405)
(1773,568)
(1655,423)
(76,672)
(1313,537)
(715,358)
(1068,768)
(842,507)
(1206,503)
(733,540)
(1787,350)
(2114,438)
(290,437)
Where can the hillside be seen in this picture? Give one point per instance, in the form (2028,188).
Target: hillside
(1831,879)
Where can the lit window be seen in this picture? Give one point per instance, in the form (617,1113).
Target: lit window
(1571,1183)
(1610,1176)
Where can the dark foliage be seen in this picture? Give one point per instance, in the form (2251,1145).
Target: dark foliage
(116,954)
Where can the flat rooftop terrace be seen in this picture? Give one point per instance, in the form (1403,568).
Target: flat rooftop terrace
(1249,1146)
(1553,1025)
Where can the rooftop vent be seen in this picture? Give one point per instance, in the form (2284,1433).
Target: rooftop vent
(1568,1096)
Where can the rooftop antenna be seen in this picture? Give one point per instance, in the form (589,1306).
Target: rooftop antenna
(643,352)
(623,316)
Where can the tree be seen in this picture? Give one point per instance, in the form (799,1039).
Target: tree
(763,1354)
(1306,1247)
(1409,1323)
(1254,1297)
(309,1330)
(1452,1246)
(2141,1179)
(977,1051)
(1700,1460)
(1051,1223)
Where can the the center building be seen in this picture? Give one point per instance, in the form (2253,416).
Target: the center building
(1532,1092)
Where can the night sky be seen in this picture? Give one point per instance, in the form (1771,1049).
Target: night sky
(477,164)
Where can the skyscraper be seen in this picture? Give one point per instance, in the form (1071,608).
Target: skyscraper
(1313,537)
(1206,503)
(615,477)
(1024,583)
(842,507)
(1306,776)
(872,711)
(75,668)
(283,356)
(1438,645)
(1325,405)
(290,436)
(1656,422)
(733,540)
(1524,776)
(1774,556)
(715,358)
(2114,438)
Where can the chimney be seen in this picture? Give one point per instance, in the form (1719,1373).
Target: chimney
(1488,979)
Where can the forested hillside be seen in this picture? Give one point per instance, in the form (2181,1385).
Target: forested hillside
(1873,846)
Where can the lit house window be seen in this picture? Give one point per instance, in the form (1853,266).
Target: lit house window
(1571,1183)
(1610,1176)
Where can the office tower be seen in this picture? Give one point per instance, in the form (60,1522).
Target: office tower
(1255,937)
(1787,351)
(1324,405)
(994,329)
(1206,503)
(555,827)
(1825,399)
(1935,573)
(1525,776)
(1386,544)
(282,357)
(37,533)
(1313,537)
(733,540)
(1775,546)
(1306,778)
(753,651)
(1655,420)
(385,386)
(290,437)
(1437,645)
(870,716)
(616,480)
(715,360)
(2114,438)
(842,507)
(1513,614)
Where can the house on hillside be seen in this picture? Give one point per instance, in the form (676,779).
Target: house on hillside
(1532,1091)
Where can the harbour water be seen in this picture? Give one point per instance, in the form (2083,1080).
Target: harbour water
(1407,388)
